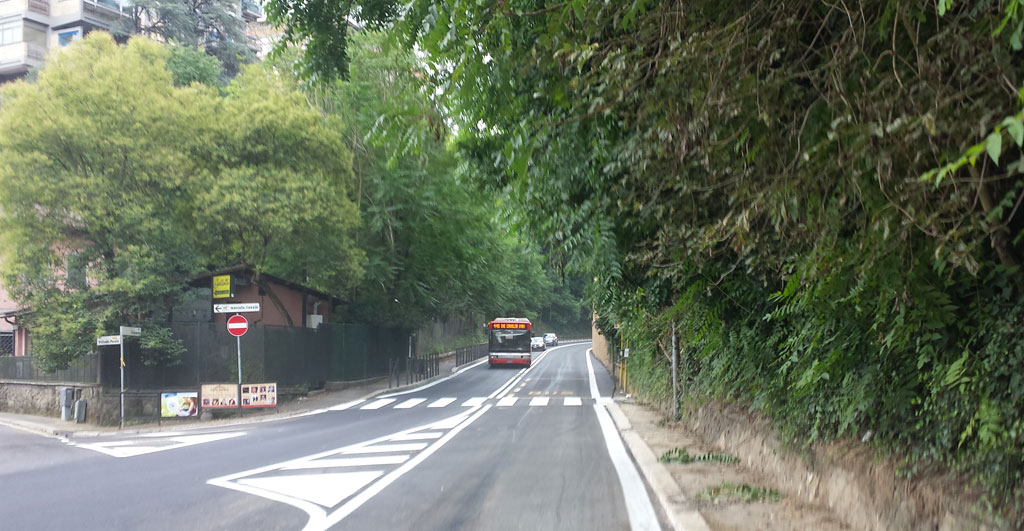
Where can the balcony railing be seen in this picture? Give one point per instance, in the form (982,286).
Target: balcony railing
(39,6)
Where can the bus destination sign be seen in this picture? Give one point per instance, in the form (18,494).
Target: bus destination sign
(508,326)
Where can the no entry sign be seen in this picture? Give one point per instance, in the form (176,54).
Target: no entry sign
(237,325)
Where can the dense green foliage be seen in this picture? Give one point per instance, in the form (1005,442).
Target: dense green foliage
(823,196)
(117,187)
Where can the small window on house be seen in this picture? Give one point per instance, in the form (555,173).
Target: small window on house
(6,343)
(66,38)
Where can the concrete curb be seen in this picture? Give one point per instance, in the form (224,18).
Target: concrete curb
(670,496)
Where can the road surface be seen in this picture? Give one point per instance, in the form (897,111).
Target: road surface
(486,449)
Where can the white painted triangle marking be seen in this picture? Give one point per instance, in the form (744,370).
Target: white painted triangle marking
(412,402)
(538,401)
(323,489)
(507,401)
(418,436)
(573,401)
(377,404)
(376,460)
(441,402)
(130,449)
(474,402)
(385,448)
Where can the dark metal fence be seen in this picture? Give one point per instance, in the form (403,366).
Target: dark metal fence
(85,370)
(465,355)
(290,356)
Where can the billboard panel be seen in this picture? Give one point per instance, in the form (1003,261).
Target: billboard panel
(179,404)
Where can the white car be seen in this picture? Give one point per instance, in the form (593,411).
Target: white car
(551,340)
(536,343)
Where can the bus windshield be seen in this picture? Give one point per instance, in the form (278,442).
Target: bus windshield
(509,341)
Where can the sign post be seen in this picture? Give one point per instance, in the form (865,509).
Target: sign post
(238,325)
(119,340)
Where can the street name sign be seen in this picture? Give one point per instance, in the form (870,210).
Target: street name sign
(237,325)
(131,331)
(244,307)
(108,340)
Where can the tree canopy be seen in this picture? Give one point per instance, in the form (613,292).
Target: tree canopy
(118,186)
(824,197)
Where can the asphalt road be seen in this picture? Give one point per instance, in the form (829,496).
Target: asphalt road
(486,449)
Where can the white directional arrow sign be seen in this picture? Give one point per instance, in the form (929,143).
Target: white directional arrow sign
(244,307)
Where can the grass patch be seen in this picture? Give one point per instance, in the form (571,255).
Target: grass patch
(681,456)
(743,492)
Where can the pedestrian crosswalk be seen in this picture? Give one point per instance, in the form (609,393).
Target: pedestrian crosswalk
(450,401)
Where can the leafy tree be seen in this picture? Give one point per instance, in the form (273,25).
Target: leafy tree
(191,65)
(119,186)
(210,25)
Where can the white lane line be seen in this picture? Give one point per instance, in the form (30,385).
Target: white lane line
(386,448)
(346,405)
(373,490)
(421,436)
(507,401)
(441,402)
(539,401)
(475,402)
(377,404)
(594,393)
(412,402)
(376,460)
(573,401)
(508,383)
(638,505)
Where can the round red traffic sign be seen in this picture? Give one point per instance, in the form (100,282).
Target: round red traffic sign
(237,325)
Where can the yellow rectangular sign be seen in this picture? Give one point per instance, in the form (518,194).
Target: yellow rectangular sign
(222,287)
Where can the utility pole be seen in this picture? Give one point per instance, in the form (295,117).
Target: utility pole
(675,373)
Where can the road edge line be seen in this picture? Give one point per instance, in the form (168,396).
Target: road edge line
(670,496)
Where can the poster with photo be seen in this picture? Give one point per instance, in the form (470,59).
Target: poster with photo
(219,396)
(259,395)
(179,404)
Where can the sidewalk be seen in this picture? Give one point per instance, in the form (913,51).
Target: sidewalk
(314,401)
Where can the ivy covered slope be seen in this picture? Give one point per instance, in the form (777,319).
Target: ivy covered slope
(824,196)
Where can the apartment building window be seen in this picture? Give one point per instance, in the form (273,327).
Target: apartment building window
(10,32)
(75,271)
(66,38)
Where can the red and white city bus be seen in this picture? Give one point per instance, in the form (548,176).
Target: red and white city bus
(509,341)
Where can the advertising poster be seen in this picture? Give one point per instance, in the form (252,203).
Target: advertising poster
(259,395)
(220,396)
(179,404)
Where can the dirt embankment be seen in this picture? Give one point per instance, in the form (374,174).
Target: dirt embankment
(848,477)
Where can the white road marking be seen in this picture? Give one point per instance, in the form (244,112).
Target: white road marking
(291,491)
(387,448)
(432,384)
(412,402)
(573,401)
(380,485)
(322,489)
(423,435)
(441,402)
(594,393)
(539,401)
(346,405)
(507,401)
(638,504)
(132,448)
(475,402)
(376,460)
(377,404)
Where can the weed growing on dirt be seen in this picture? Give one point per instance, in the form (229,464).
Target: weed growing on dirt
(742,492)
(681,456)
